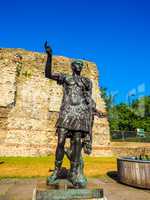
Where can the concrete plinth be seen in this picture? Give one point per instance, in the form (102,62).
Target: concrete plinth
(65,191)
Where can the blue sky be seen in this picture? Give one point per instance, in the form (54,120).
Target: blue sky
(113,33)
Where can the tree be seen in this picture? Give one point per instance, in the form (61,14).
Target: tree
(108,98)
(142,109)
(125,117)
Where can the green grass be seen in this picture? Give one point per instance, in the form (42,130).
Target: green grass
(28,167)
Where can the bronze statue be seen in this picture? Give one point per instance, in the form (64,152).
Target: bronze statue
(75,120)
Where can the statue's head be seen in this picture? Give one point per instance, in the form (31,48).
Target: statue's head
(77,66)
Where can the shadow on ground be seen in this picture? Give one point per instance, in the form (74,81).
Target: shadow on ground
(113,175)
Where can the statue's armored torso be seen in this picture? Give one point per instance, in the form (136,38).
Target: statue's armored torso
(75,110)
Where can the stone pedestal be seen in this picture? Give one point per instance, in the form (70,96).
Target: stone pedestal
(65,191)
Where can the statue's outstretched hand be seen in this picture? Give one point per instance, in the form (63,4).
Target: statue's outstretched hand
(48,49)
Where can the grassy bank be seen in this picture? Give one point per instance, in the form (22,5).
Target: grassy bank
(21,167)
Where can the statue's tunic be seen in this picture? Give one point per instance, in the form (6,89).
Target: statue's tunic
(75,112)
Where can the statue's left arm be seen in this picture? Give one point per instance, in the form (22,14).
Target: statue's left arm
(90,101)
(88,94)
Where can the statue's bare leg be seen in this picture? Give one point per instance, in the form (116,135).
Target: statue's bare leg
(76,154)
(59,155)
(60,145)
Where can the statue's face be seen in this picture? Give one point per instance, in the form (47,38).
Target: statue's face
(77,66)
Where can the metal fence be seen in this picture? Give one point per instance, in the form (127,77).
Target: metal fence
(129,136)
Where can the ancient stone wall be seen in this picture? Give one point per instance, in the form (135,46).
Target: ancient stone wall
(130,148)
(29,104)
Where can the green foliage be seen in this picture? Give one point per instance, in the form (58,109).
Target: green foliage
(107,98)
(20,71)
(128,117)
(27,73)
(19,68)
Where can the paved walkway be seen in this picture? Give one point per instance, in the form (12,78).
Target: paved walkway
(22,189)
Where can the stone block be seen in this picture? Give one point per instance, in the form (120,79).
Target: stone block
(64,191)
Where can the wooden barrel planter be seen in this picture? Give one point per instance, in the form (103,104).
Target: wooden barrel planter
(134,172)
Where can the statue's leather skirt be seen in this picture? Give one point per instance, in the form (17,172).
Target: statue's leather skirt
(75,117)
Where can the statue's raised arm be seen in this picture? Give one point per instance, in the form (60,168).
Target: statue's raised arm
(48,67)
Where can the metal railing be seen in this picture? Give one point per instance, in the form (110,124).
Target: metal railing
(129,136)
